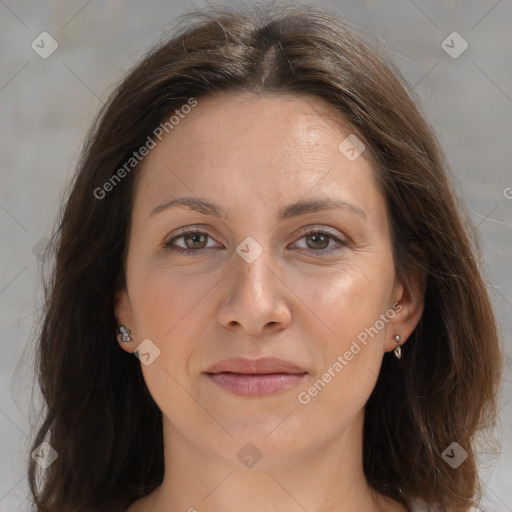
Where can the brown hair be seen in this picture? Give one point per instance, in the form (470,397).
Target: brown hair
(99,415)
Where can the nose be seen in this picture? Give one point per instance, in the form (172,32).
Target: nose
(255,297)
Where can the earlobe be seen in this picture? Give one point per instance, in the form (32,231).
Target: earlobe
(398,350)
(124,318)
(410,296)
(124,333)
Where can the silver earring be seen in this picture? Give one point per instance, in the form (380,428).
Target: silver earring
(398,349)
(125,333)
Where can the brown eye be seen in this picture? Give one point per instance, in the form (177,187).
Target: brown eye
(318,241)
(190,242)
(195,241)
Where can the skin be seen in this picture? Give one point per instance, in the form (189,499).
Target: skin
(252,155)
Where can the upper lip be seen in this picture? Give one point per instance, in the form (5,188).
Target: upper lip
(264,365)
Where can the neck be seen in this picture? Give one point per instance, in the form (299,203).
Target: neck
(326,477)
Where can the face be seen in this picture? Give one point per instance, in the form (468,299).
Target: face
(291,258)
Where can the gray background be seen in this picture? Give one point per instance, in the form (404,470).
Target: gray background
(46,106)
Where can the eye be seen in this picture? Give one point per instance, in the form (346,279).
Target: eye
(193,242)
(318,242)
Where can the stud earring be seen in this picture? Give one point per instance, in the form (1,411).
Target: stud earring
(125,333)
(398,349)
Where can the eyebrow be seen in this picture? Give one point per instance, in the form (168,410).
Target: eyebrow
(293,210)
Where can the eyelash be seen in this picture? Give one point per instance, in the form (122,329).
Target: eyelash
(309,232)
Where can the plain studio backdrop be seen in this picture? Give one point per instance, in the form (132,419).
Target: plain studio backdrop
(50,92)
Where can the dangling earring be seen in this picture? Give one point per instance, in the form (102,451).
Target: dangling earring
(125,333)
(398,350)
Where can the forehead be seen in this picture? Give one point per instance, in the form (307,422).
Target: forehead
(227,121)
(257,147)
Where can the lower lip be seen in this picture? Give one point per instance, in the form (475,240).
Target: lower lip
(256,384)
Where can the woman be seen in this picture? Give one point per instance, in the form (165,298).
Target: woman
(264,220)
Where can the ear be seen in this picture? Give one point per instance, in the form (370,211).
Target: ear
(409,294)
(124,316)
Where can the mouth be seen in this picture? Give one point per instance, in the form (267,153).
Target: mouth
(255,377)
(246,384)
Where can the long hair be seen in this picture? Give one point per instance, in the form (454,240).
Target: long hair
(98,414)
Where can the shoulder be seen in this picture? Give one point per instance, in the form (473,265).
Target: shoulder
(418,505)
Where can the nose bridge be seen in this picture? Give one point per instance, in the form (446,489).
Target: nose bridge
(255,297)
(253,274)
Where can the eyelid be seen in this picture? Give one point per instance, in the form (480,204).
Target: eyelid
(319,228)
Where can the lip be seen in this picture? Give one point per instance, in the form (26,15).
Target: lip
(264,365)
(255,377)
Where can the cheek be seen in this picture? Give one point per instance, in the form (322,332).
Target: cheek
(344,302)
(162,293)
(172,307)
(352,317)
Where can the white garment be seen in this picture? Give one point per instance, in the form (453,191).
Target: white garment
(418,505)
